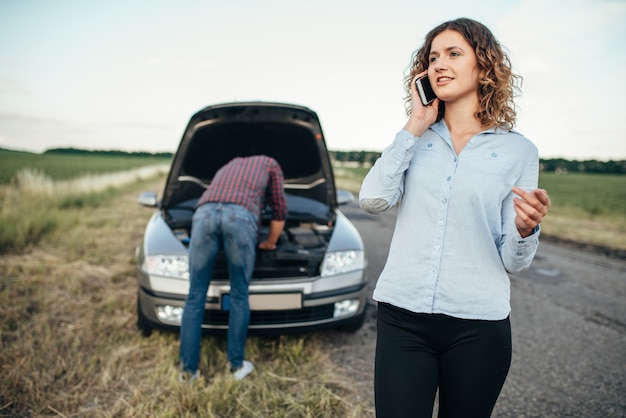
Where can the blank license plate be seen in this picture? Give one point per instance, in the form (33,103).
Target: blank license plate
(268,301)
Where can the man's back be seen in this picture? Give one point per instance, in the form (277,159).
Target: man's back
(248,182)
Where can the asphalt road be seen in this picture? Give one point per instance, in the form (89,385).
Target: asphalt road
(569,330)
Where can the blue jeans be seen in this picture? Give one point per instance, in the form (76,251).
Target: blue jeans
(233,228)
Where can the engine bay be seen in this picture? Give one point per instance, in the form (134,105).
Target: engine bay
(299,250)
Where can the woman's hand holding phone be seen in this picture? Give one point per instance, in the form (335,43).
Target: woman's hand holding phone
(421,116)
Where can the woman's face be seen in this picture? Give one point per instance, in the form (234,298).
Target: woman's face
(453,69)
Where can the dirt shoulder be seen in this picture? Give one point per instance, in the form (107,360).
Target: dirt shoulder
(617,253)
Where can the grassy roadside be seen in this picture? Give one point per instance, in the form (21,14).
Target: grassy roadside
(34,205)
(69,345)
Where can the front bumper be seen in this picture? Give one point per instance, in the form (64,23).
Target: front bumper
(301,304)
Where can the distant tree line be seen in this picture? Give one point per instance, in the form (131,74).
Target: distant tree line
(363,158)
(367,158)
(560,165)
(112,153)
(557,165)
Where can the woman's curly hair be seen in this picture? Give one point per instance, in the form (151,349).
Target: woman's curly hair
(498,84)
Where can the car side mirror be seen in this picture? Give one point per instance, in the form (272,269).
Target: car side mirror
(344,197)
(148,199)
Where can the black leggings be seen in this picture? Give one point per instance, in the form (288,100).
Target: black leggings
(468,360)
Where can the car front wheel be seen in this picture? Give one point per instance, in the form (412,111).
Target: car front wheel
(142,322)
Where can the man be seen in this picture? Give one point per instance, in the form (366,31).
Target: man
(227,216)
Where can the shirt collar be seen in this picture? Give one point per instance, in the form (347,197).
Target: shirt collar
(442,130)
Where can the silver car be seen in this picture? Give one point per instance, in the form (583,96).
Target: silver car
(314,279)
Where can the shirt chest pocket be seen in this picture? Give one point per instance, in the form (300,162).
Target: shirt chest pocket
(428,153)
(490,162)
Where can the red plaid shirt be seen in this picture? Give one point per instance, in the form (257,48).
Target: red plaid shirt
(250,182)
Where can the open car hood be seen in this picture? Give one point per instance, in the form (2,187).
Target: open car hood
(290,134)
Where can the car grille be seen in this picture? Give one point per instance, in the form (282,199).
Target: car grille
(276,265)
(311,314)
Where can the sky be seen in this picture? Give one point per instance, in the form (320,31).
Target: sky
(128,75)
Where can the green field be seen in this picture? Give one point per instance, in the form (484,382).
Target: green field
(594,194)
(68,166)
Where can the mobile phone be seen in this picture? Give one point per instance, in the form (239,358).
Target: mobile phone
(427,95)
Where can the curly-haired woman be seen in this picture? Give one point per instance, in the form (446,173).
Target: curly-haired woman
(468,215)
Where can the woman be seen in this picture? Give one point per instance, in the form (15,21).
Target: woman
(468,214)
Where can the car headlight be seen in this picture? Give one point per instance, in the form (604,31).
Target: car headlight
(339,262)
(167,265)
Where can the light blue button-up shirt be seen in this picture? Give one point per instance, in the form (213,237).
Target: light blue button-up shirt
(455,239)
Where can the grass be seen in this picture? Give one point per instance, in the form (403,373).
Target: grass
(593,195)
(68,166)
(34,205)
(70,347)
(587,208)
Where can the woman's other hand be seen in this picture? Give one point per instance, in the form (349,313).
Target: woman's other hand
(531,208)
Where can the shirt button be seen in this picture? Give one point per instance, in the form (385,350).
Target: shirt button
(437,247)
(449,178)
(440,223)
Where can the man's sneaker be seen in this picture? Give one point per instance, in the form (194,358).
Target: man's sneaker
(187,377)
(243,370)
